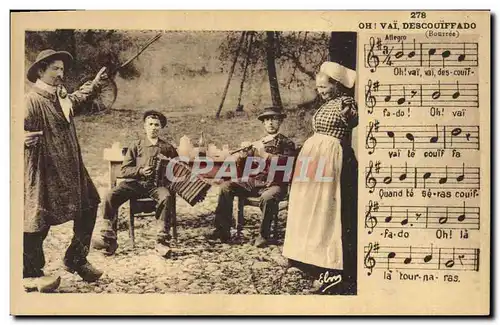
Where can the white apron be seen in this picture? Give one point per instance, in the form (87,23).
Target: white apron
(313,229)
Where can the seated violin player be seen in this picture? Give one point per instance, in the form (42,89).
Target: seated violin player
(271,190)
(138,169)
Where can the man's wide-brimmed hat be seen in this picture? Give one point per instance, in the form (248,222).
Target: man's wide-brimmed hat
(155,114)
(45,56)
(338,72)
(271,111)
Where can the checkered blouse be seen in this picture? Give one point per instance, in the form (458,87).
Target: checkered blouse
(329,120)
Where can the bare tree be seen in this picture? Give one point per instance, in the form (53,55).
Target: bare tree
(271,70)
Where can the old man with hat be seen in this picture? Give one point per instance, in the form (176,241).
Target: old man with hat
(320,231)
(138,169)
(57,186)
(270,189)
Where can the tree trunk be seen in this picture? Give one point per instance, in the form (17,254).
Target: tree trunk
(271,70)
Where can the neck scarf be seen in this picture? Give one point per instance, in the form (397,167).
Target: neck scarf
(62,96)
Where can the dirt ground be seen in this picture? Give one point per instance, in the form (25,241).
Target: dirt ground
(196,265)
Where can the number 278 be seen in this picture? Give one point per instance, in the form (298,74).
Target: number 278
(418,14)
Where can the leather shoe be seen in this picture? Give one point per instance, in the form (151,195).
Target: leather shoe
(163,250)
(86,271)
(106,245)
(42,284)
(224,236)
(261,242)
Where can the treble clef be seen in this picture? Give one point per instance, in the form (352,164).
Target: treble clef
(370,261)
(370,100)
(371,221)
(372,59)
(370,181)
(371,141)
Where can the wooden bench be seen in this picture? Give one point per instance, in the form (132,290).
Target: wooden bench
(140,206)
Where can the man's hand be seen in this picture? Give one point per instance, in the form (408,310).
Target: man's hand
(147,171)
(245,152)
(102,77)
(260,149)
(99,80)
(32,138)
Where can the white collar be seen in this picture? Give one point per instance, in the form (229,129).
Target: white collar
(153,141)
(44,86)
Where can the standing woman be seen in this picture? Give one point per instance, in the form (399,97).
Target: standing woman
(320,232)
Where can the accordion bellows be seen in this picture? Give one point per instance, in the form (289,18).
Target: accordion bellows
(191,188)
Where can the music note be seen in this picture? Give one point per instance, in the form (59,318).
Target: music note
(389,217)
(402,177)
(370,220)
(369,260)
(437,93)
(372,59)
(407,260)
(388,96)
(388,179)
(370,181)
(443,220)
(460,178)
(451,262)
(461,57)
(429,54)
(404,222)
(402,100)
(461,217)
(455,133)
(411,138)
(426,176)
(370,99)
(428,257)
(390,256)
(457,93)
(371,141)
(412,53)
(435,138)
(399,54)
(444,179)
(390,134)
(445,55)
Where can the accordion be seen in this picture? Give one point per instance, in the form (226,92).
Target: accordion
(192,188)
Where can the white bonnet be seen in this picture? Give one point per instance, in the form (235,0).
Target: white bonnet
(337,72)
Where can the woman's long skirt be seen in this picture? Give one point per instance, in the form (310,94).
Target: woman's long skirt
(314,225)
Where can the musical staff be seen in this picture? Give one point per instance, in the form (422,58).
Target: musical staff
(420,258)
(380,54)
(421,137)
(424,177)
(454,95)
(421,217)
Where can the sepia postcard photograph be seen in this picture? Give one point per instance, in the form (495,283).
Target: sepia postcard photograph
(250,162)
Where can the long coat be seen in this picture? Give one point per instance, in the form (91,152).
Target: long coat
(57,186)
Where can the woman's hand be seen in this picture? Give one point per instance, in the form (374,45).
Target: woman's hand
(347,105)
